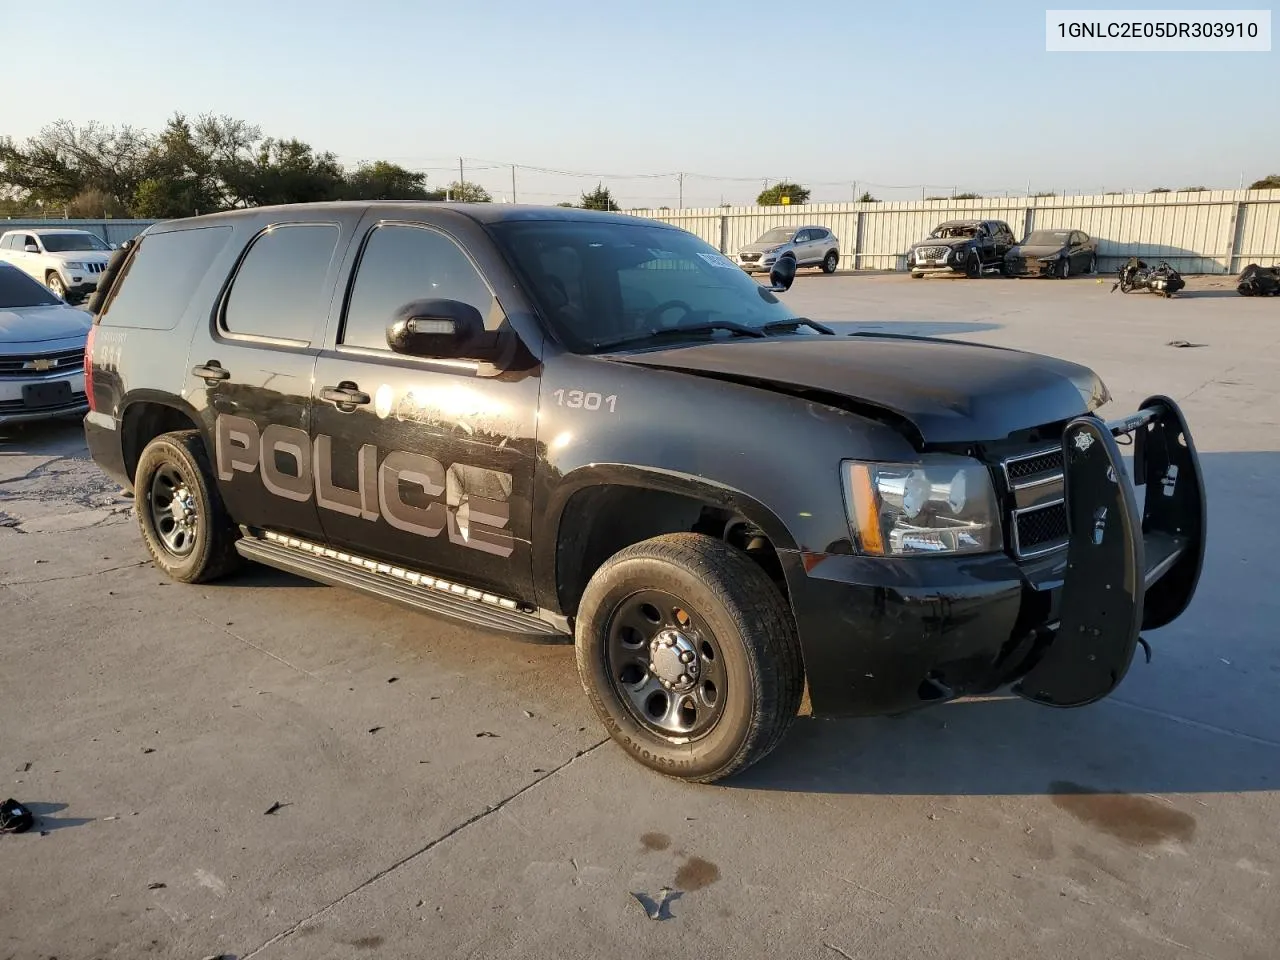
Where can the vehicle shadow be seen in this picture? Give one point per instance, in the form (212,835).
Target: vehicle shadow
(45,822)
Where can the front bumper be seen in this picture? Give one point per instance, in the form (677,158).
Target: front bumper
(43,398)
(763,263)
(1030,267)
(945,264)
(884,636)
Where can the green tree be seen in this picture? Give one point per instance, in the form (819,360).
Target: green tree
(1193,190)
(1044,193)
(1269,182)
(384,181)
(64,160)
(599,199)
(1159,190)
(466,192)
(772,196)
(564,203)
(867,197)
(967,196)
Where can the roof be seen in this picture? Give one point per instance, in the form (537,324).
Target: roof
(43,231)
(484,213)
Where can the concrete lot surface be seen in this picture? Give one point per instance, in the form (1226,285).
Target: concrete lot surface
(447,793)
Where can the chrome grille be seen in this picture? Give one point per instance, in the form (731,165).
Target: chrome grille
(40,364)
(932,253)
(750,257)
(1037,518)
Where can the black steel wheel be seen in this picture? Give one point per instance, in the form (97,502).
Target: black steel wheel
(689,655)
(183,521)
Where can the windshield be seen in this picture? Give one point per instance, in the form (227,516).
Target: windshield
(607,284)
(19,290)
(951,231)
(1047,238)
(778,235)
(69,242)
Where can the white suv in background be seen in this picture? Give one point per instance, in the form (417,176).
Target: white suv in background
(66,261)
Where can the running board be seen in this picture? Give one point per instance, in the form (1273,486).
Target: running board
(407,587)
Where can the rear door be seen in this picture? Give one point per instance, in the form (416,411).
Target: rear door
(423,462)
(250,370)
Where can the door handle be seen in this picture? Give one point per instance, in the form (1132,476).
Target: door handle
(211,372)
(345,394)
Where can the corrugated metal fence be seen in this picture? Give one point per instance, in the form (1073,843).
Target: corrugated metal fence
(1217,231)
(112,231)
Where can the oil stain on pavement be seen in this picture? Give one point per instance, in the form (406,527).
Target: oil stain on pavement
(1138,821)
(654,841)
(696,873)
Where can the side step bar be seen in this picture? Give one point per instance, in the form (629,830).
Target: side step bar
(389,582)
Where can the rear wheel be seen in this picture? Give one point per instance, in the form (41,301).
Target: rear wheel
(53,281)
(830,262)
(183,521)
(689,656)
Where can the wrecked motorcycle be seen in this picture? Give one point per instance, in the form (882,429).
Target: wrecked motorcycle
(1137,275)
(1256,281)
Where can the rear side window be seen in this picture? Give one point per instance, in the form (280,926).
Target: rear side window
(401,264)
(156,285)
(279,290)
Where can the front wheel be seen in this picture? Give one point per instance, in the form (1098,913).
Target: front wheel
(183,521)
(1064,268)
(973,266)
(1093,264)
(54,282)
(689,656)
(830,262)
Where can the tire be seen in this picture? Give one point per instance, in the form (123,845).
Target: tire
(53,281)
(917,276)
(830,262)
(708,598)
(1093,265)
(1064,268)
(973,266)
(204,550)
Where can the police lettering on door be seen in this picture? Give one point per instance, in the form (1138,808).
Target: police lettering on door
(474,510)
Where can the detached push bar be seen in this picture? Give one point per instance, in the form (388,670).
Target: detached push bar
(1125,572)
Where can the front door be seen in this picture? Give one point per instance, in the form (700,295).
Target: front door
(250,372)
(424,462)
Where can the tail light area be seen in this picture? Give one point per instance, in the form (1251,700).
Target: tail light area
(88,367)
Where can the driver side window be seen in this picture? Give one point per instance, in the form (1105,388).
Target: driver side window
(402,263)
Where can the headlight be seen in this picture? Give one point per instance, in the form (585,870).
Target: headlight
(943,505)
(75,265)
(959,254)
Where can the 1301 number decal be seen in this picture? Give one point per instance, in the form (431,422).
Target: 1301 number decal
(578,400)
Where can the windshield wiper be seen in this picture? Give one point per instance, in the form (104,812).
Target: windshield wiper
(797,322)
(669,332)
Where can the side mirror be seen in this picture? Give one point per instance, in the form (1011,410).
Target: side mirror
(447,329)
(782,274)
(31,248)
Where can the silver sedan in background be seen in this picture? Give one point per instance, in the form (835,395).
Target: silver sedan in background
(42,341)
(811,246)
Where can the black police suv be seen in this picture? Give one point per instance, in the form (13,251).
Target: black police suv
(571,424)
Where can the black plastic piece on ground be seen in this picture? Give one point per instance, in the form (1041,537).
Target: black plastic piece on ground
(14,817)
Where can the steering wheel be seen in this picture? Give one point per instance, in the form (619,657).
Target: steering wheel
(654,315)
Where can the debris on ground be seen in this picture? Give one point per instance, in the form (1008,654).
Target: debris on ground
(15,818)
(274,807)
(486,733)
(529,714)
(1184,343)
(657,909)
(156,886)
(148,749)
(392,679)
(374,729)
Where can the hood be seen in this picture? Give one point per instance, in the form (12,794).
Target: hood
(81,256)
(1037,250)
(763,247)
(948,242)
(29,325)
(949,391)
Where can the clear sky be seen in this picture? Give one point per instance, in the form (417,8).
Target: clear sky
(946,94)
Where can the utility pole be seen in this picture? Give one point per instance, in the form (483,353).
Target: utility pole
(853,194)
(680,177)
(513,183)
(461,177)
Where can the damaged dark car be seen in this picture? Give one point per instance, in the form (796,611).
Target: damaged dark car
(579,426)
(1057,253)
(967,247)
